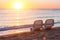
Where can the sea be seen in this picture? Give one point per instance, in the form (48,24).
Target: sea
(10,18)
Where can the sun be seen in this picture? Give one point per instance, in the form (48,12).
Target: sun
(17,5)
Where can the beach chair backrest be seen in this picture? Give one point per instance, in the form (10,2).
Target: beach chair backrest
(49,22)
(38,24)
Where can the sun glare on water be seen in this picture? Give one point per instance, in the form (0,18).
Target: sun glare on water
(17,5)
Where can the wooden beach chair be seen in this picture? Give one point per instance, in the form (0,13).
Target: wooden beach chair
(37,26)
(49,23)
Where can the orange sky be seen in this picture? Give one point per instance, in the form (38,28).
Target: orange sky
(7,4)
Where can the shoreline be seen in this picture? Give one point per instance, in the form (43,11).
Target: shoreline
(19,31)
(53,34)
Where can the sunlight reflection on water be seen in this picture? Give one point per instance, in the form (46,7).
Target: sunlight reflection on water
(14,31)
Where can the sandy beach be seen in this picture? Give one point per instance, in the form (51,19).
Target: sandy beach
(53,34)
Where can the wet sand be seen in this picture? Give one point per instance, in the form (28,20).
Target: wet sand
(53,34)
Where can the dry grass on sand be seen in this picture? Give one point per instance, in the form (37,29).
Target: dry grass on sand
(53,34)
